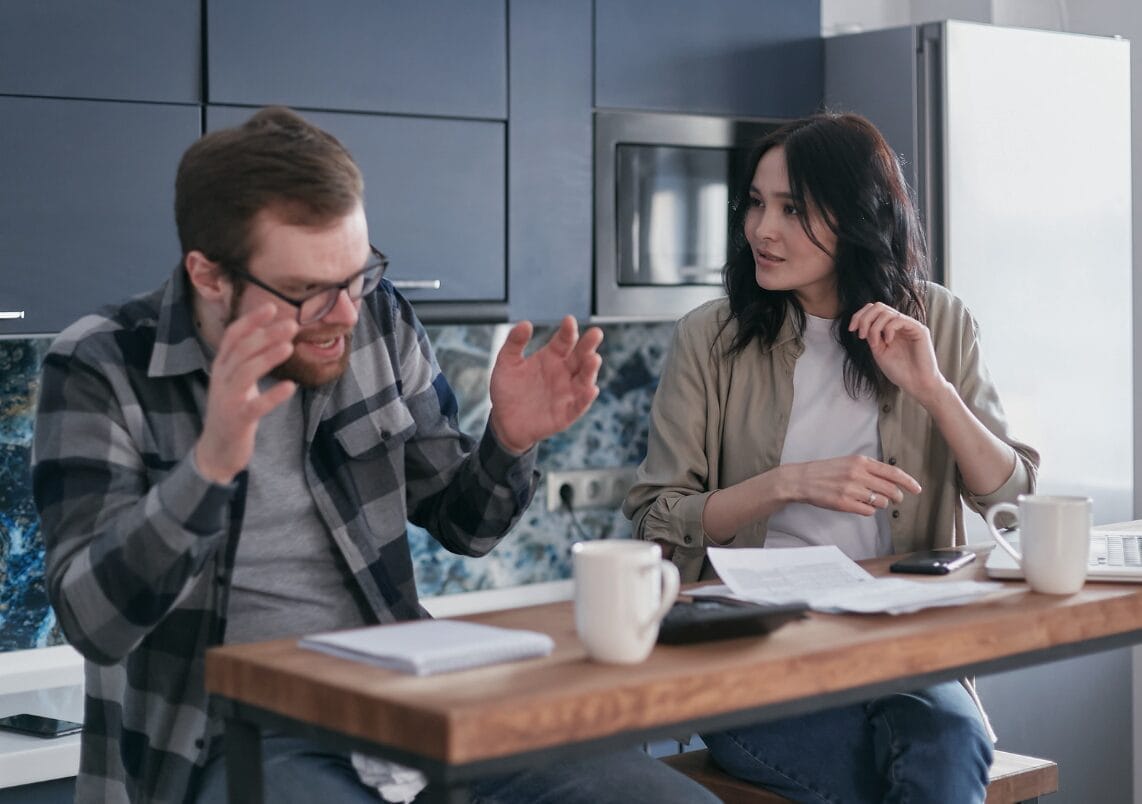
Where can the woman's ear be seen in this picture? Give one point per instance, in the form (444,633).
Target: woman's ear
(207,277)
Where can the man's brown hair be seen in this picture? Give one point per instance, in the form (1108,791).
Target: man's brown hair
(275,161)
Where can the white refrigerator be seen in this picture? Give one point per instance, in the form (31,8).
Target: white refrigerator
(1018,145)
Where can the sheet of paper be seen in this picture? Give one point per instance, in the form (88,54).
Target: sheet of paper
(828,580)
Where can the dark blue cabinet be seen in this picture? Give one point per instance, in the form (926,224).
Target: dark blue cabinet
(759,58)
(549,160)
(111,49)
(87,208)
(471,120)
(426,57)
(434,197)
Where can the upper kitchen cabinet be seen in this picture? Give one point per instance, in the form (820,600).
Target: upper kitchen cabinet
(435,202)
(87,205)
(424,57)
(118,50)
(738,57)
(549,160)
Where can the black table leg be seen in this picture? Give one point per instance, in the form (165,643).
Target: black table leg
(243,747)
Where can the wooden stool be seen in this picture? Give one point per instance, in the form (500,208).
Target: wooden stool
(1013,778)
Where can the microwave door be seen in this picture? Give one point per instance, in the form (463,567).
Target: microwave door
(671,216)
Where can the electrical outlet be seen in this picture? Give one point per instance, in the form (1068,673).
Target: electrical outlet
(591,488)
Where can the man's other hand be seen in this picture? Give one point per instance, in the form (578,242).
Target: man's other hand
(537,396)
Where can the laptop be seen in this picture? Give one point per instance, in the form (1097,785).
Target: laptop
(1115,555)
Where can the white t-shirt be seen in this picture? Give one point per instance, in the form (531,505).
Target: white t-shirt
(826,422)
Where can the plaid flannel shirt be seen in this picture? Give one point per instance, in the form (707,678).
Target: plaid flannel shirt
(140,548)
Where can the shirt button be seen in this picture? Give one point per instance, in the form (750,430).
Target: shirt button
(892,462)
(199,743)
(896,514)
(687,539)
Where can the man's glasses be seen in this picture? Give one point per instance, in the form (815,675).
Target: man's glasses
(317,305)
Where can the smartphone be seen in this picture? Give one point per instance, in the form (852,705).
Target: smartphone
(40,726)
(934,562)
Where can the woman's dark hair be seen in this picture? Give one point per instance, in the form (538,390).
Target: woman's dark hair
(275,160)
(841,165)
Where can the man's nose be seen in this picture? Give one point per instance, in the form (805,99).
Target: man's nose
(343,312)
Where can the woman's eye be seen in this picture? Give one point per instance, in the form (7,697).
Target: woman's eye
(791,210)
(756,202)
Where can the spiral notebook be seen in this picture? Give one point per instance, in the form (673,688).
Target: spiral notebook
(425,647)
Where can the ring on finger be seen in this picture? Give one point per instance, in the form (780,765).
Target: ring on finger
(871,498)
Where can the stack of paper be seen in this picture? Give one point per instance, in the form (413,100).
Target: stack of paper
(425,647)
(828,580)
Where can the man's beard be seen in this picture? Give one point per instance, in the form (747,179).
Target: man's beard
(305,373)
(312,375)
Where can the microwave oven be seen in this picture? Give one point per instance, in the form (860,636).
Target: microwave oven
(663,188)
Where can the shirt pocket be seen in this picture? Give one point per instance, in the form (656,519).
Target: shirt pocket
(377,432)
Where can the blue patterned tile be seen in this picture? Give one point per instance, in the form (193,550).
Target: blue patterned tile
(26,619)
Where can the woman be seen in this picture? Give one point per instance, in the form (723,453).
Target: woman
(834,397)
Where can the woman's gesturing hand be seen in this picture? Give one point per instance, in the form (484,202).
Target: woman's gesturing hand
(853,483)
(901,347)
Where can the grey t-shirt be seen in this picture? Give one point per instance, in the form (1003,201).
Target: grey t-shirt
(289,577)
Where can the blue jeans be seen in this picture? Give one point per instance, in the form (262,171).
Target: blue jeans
(924,746)
(297,771)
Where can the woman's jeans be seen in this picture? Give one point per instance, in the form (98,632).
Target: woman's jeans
(297,771)
(924,746)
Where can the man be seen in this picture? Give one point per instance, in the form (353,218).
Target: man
(234,456)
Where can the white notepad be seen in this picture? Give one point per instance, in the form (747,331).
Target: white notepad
(425,647)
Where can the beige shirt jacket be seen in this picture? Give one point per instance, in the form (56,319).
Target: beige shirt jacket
(719,420)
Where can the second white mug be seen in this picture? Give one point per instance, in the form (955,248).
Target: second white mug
(1054,540)
(623,589)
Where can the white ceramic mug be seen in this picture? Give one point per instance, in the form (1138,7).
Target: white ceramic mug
(623,589)
(1054,534)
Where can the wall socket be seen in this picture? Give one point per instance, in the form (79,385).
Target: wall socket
(591,488)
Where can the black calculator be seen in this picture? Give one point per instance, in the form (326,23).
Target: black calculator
(708,618)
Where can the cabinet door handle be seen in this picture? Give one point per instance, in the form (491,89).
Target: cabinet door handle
(7,315)
(416,284)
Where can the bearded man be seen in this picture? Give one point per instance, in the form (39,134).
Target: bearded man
(234,457)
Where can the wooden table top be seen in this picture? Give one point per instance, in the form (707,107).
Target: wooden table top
(498,711)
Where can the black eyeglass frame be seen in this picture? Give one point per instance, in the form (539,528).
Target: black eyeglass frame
(368,285)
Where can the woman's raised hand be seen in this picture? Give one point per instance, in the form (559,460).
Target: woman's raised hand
(902,348)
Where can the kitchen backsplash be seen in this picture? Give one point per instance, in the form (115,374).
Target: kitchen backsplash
(612,433)
(25,618)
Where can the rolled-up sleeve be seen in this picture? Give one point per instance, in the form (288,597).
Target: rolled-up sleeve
(979,393)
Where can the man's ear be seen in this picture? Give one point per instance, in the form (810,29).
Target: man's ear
(207,277)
